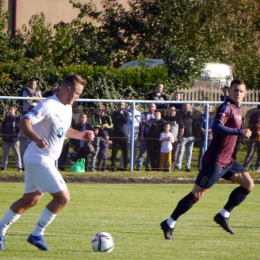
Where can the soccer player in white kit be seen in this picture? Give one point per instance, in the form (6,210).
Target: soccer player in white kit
(46,126)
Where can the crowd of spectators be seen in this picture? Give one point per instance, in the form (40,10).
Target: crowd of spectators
(162,134)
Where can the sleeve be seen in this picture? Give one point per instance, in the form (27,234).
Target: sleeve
(161,137)
(220,129)
(109,121)
(172,138)
(40,112)
(201,121)
(223,113)
(96,125)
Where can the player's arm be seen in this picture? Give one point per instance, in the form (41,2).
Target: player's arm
(26,126)
(219,128)
(87,135)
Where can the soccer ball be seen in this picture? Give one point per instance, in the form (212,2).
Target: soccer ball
(102,242)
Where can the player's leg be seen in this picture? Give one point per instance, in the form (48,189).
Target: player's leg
(237,196)
(206,178)
(15,211)
(185,204)
(48,179)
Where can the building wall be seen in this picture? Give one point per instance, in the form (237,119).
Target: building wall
(55,10)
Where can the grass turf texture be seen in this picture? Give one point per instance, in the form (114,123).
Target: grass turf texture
(131,213)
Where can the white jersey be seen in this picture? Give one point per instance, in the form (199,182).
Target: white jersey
(51,121)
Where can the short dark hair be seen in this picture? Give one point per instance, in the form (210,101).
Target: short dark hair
(237,82)
(72,80)
(157,110)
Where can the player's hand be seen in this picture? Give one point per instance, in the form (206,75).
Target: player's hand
(42,143)
(88,135)
(246,132)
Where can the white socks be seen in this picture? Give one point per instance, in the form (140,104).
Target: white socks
(9,218)
(45,220)
(171,222)
(224,213)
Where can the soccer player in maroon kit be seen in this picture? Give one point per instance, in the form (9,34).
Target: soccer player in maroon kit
(218,163)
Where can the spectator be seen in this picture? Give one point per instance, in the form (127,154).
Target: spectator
(166,139)
(102,123)
(31,91)
(24,141)
(158,95)
(80,146)
(120,135)
(254,141)
(177,97)
(225,95)
(76,113)
(156,126)
(188,139)
(177,129)
(202,126)
(10,133)
(143,137)
(136,129)
(54,89)
(105,144)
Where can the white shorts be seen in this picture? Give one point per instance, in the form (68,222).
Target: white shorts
(43,177)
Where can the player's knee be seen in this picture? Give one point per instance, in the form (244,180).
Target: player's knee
(31,201)
(251,185)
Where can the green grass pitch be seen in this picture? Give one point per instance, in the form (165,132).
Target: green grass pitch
(131,213)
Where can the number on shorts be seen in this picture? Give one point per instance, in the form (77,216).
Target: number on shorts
(204,180)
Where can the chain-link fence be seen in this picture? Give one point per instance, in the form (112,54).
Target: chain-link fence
(122,143)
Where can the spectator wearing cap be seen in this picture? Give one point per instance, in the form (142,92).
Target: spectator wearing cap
(54,89)
(254,141)
(104,146)
(24,141)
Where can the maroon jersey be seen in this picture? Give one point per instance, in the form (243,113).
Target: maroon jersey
(221,148)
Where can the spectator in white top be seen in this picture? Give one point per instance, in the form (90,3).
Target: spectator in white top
(166,139)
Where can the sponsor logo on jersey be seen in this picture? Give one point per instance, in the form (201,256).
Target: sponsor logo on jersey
(239,117)
(60,132)
(224,108)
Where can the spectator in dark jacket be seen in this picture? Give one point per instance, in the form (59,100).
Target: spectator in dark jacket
(158,95)
(120,135)
(54,90)
(156,126)
(80,146)
(101,123)
(10,133)
(188,139)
